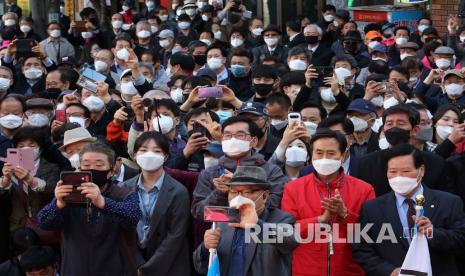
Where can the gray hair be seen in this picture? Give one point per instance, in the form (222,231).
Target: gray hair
(156,94)
(100,148)
(316,27)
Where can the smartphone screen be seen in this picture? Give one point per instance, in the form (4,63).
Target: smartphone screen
(221,214)
(60,115)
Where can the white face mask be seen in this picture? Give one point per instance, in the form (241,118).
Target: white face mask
(311,127)
(125,8)
(55,33)
(204,17)
(150,161)
(326,166)
(164,43)
(413,80)
(206,41)
(377,101)
(342,74)
(176,95)
(444,131)
(379,58)
(122,54)
(271,41)
(454,89)
(128,88)
(100,66)
(126,27)
(327,95)
(422,28)
(336,24)
(403,185)
(94,103)
(33,73)
(36,153)
(153,29)
(297,65)
(239,200)
(390,102)
(462,38)
(296,156)
(25,28)
(87,35)
(179,12)
(234,147)
(236,42)
(117,24)
(210,162)
(184,25)
(163,17)
(143,34)
(278,124)
(257,31)
(10,22)
(11,121)
(201,4)
(78,120)
(150,5)
(360,125)
(403,56)
(74,160)
(442,63)
(4,84)
(215,63)
(217,35)
(329,18)
(373,44)
(383,143)
(166,123)
(401,41)
(190,12)
(38,120)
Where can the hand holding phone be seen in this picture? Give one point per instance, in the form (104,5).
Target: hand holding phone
(211,92)
(221,214)
(75,179)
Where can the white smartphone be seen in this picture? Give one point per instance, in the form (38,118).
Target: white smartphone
(293,116)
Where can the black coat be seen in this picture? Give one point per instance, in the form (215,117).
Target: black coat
(322,56)
(299,40)
(377,174)
(242,87)
(259,53)
(444,210)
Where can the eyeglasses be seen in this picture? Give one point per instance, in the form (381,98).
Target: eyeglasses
(246,193)
(240,135)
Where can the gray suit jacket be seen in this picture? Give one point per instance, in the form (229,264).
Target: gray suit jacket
(166,251)
(262,258)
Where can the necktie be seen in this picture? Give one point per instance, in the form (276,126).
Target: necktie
(410,212)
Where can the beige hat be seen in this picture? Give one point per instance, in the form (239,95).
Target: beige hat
(75,135)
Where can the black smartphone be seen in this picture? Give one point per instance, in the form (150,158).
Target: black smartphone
(24,47)
(198,128)
(324,71)
(221,214)
(75,179)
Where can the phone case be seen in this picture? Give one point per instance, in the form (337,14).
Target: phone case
(75,179)
(60,115)
(221,214)
(27,159)
(12,156)
(210,92)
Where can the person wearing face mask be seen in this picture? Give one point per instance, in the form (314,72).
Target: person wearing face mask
(191,10)
(255,34)
(144,35)
(272,47)
(291,84)
(185,28)
(278,107)
(73,141)
(401,34)
(236,39)
(449,130)
(362,113)
(264,80)
(39,112)
(114,210)
(216,61)
(26,27)
(6,80)
(298,59)
(248,191)
(163,201)
(327,195)
(423,24)
(198,50)
(147,10)
(103,62)
(56,46)
(239,138)
(39,181)
(352,44)
(12,109)
(406,170)
(116,28)
(321,56)
(166,41)
(450,91)
(424,137)
(240,79)
(400,125)
(328,15)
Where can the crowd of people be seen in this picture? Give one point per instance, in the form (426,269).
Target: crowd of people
(165,111)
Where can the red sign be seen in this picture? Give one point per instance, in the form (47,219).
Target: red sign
(371,16)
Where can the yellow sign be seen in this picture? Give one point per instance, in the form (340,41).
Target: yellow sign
(24,5)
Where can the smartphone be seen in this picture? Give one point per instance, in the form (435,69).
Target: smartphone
(324,71)
(221,214)
(80,26)
(24,46)
(89,79)
(23,157)
(211,92)
(386,86)
(198,128)
(60,115)
(293,116)
(75,179)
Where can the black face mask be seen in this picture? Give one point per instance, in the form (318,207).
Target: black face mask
(50,93)
(396,136)
(99,177)
(263,89)
(351,48)
(200,59)
(312,39)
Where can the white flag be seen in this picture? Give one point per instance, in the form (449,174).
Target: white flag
(417,261)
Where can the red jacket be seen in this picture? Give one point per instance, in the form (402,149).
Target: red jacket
(302,199)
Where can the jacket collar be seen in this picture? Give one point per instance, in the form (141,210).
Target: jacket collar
(336,183)
(230,164)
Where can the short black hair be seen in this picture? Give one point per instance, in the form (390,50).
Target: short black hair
(69,75)
(294,77)
(299,50)
(430,47)
(80,105)
(411,63)
(333,120)
(168,103)
(401,70)
(54,22)
(344,57)
(443,109)
(266,71)
(23,238)
(198,111)
(328,7)
(196,44)
(159,139)
(37,257)
(195,81)
(85,12)
(402,28)
(378,67)
(279,98)
(309,104)
(328,133)
(427,18)
(242,52)
(186,62)
(253,128)
(294,25)
(219,47)
(405,149)
(183,41)
(18,97)
(122,36)
(411,112)
(35,134)
(100,148)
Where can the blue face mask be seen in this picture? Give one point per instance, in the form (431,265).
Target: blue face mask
(224,115)
(238,70)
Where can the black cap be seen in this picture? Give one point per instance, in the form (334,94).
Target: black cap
(352,35)
(430,31)
(249,175)
(254,108)
(271,27)
(343,14)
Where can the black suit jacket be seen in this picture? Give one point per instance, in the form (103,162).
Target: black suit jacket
(376,175)
(444,211)
(260,52)
(299,40)
(322,56)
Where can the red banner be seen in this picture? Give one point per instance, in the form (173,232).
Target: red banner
(370,16)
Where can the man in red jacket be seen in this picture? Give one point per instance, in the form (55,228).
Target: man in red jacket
(327,196)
